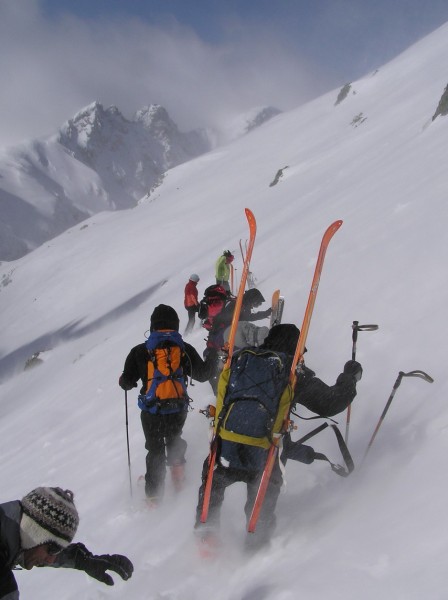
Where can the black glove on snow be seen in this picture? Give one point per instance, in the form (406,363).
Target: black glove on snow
(125,384)
(96,566)
(353,368)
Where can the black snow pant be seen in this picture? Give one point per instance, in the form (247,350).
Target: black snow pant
(165,446)
(225,476)
(191,310)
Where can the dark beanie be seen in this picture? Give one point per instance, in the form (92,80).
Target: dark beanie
(252,296)
(164,317)
(49,515)
(282,338)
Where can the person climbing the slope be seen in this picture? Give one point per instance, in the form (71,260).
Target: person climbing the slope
(252,298)
(252,395)
(222,269)
(191,301)
(163,363)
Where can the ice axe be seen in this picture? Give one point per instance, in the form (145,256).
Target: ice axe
(355,327)
(417,373)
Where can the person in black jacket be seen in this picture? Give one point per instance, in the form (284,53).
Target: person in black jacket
(163,427)
(252,298)
(311,392)
(38,530)
(243,462)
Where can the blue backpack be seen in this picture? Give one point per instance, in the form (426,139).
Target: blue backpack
(255,396)
(166,392)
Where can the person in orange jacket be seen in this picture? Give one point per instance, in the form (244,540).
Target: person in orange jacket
(191,301)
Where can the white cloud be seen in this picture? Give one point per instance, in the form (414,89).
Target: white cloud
(53,67)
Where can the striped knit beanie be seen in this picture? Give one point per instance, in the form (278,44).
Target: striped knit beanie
(49,515)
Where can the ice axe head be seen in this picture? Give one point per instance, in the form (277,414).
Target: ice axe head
(418,373)
(357,327)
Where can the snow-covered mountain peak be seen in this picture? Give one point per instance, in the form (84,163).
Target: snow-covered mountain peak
(93,126)
(98,160)
(157,122)
(152,113)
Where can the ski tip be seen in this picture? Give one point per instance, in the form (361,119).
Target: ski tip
(331,230)
(249,214)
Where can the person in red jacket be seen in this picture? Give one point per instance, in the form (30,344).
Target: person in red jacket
(191,301)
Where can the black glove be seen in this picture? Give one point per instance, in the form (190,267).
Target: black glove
(125,384)
(353,368)
(96,566)
(210,354)
(294,451)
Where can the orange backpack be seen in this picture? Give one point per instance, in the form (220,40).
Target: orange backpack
(166,391)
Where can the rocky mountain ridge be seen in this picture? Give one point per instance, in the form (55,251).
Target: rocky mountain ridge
(98,160)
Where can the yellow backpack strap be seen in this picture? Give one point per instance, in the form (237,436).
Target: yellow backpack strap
(222,387)
(286,400)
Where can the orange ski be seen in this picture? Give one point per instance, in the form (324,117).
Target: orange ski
(298,359)
(231,342)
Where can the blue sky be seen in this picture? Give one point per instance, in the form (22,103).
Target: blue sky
(204,60)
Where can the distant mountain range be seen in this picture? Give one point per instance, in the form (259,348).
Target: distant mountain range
(97,161)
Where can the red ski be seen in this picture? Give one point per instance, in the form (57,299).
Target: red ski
(298,358)
(231,342)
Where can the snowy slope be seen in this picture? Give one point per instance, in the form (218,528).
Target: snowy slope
(376,160)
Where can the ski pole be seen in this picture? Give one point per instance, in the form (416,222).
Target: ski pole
(355,327)
(417,373)
(127,440)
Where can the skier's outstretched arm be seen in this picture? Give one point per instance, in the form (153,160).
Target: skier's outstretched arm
(76,556)
(198,369)
(326,400)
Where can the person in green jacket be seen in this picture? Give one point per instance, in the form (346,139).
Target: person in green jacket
(222,269)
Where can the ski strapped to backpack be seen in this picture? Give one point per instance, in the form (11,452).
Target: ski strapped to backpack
(166,391)
(231,341)
(296,364)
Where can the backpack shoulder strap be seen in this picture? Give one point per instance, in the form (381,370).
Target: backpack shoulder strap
(156,338)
